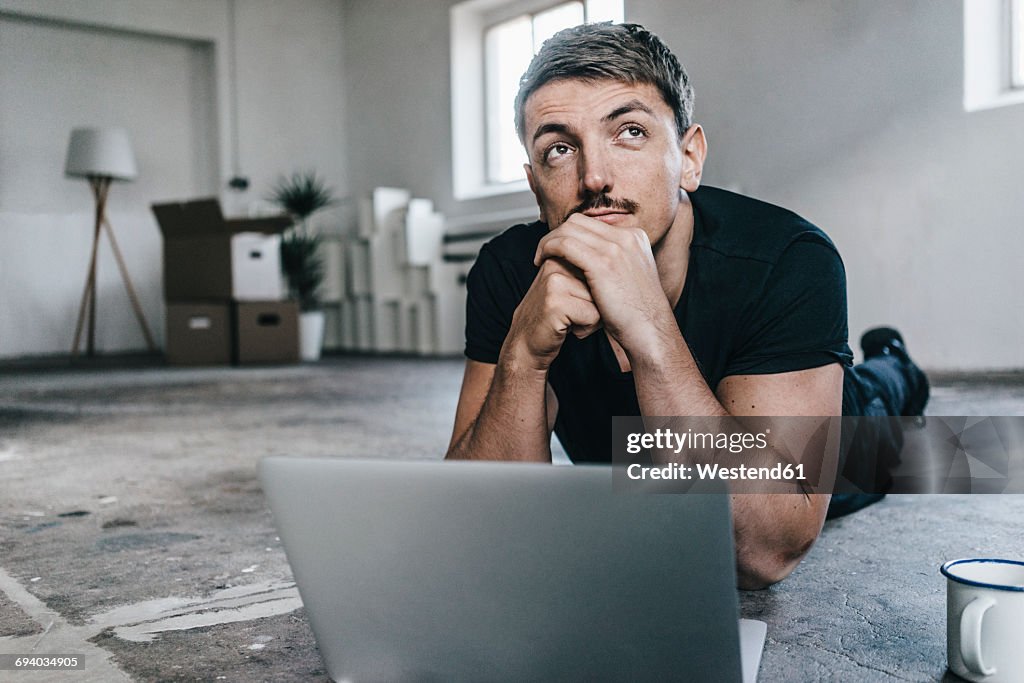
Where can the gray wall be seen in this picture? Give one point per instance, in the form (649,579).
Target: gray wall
(161,69)
(848,111)
(398,94)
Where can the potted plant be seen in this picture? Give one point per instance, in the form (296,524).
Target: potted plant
(302,195)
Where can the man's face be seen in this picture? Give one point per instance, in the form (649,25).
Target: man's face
(609,150)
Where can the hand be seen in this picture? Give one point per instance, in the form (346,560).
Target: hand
(557,302)
(619,270)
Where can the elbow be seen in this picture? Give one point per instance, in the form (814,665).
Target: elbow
(772,539)
(458,446)
(762,567)
(766,572)
(456,452)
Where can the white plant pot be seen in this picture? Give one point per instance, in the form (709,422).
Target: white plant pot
(311,334)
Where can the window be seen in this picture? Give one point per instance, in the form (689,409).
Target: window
(493,42)
(1017,41)
(993,53)
(508,48)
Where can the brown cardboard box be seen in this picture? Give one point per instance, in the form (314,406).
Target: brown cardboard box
(198,245)
(266,332)
(198,334)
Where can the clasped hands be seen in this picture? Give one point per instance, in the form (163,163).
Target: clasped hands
(592,275)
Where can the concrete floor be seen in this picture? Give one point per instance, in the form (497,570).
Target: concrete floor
(133,530)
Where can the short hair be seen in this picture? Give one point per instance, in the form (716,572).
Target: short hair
(605,51)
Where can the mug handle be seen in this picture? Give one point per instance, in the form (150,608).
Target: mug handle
(970,635)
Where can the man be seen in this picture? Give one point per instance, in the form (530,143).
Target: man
(641,293)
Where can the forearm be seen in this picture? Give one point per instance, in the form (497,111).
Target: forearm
(512,423)
(668,381)
(772,531)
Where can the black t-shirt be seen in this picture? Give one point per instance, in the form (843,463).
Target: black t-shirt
(765,293)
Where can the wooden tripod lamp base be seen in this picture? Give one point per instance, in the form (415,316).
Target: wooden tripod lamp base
(102,155)
(100,186)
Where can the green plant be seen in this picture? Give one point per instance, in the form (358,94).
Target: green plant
(303,267)
(302,195)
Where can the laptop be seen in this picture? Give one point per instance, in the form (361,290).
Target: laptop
(484,571)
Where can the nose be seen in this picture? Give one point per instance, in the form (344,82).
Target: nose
(596,173)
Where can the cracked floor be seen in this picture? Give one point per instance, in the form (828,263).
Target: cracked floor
(133,530)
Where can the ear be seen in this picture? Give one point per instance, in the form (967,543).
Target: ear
(695,149)
(533,189)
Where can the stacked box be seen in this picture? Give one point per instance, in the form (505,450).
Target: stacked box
(198,334)
(266,332)
(220,277)
(402,292)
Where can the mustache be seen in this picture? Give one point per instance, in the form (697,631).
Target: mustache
(601,200)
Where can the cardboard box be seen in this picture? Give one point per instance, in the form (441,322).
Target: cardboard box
(256,267)
(207,257)
(198,334)
(266,332)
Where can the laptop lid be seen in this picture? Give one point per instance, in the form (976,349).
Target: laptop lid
(471,571)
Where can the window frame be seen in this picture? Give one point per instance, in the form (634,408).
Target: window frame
(993,43)
(469,22)
(1016,42)
(499,17)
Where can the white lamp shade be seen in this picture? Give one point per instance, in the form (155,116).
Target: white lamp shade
(104,152)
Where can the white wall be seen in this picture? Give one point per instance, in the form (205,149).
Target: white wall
(848,111)
(290,90)
(852,114)
(160,68)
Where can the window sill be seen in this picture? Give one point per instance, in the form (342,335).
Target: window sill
(494,190)
(994,100)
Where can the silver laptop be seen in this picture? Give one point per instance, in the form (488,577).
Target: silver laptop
(469,571)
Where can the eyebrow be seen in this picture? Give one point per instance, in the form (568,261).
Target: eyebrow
(631,106)
(551,128)
(628,107)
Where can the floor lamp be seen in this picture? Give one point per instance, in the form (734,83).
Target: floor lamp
(102,155)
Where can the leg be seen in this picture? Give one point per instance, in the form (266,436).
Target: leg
(131,290)
(881,386)
(89,293)
(886,385)
(898,379)
(99,186)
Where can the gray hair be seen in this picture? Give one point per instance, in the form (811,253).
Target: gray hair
(621,52)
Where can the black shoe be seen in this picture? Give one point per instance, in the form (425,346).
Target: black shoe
(885,341)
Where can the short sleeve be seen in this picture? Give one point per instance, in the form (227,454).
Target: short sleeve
(799,321)
(490,302)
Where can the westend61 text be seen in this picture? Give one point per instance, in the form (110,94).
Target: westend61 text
(666,439)
(705,471)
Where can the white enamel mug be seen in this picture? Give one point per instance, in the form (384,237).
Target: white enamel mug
(985,619)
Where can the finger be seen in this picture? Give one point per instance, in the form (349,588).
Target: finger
(586,254)
(589,223)
(626,237)
(559,265)
(567,280)
(582,332)
(588,230)
(584,317)
(555,264)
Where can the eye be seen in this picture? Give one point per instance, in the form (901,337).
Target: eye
(557,151)
(632,131)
